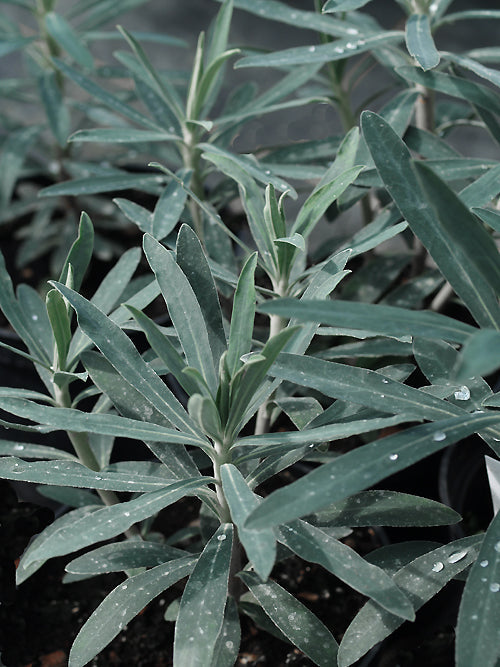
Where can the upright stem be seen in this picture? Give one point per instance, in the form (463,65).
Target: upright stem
(276,325)
(86,456)
(191,159)
(223,456)
(424,120)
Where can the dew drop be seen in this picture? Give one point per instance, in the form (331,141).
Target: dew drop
(394,457)
(458,555)
(385,381)
(221,538)
(484,563)
(126,513)
(462,394)
(229,645)
(338,49)
(34,318)
(439,436)
(312,49)
(497,547)
(19,448)
(437,567)
(350,45)
(352,31)
(494,587)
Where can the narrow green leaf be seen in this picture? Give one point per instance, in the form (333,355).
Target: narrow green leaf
(228,642)
(193,262)
(300,409)
(70,473)
(17,318)
(106,98)
(248,164)
(121,556)
(456,86)
(252,375)
(201,612)
(419,41)
(61,31)
(169,207)
(483,190)
(110,521)
(479,356)
(490,217)
(80,254)
(381,320)
(96,184)
(294,620)
(242,320)
(14,149)
(60,419)
(217,42)
(385,508)
(28,566)
(167,352)
(60,323)
(420,580)
(128,135)
(166,91)
(122,605)
(394,165)
(316,205)
(29,450)
(203,410)
(131,404)
(120,351)
(478,628)
(478,250)
(260,546)
(332,6)
(136,213)
(30,301)
(336,50)
(283,442)
(362,468)
(55,109)
(361,386)
(283,13)
(316,546)
(184,310)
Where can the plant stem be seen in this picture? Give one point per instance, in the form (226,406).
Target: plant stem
(276,325)
(223,456)
(81,445)
(424,120)
(191,159)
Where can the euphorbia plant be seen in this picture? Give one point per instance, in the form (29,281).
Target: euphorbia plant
(239,378)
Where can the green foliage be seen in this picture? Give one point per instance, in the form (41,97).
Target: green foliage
(271,349)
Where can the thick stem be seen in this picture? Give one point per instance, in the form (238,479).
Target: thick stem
(276,325)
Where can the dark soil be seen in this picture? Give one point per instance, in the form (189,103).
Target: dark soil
(39,620)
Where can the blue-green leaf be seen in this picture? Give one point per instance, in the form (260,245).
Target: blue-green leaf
(363,468)
(478,628)
(184,310)
(419,41)
(294,620)
(201,612)
(122,605)
(260,546)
